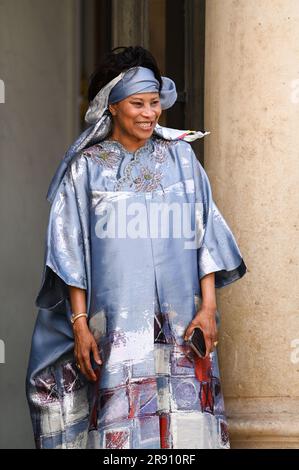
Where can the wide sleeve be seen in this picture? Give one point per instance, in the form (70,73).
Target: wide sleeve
(218,250)
(67,238)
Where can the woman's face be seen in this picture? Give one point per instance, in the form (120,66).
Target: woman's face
(135,117)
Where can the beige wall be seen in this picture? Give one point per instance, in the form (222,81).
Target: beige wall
(251,156)
(38,46)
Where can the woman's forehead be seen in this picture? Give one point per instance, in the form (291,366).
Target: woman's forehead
(145,96)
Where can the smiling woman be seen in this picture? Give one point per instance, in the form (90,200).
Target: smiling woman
(110,366)
(134,119)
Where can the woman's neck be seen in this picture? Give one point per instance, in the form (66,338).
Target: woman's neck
(127,142)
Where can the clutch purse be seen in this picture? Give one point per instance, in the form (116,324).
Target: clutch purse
(197,342)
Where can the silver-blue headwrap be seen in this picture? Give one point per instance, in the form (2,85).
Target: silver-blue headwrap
(134,80)
(143,80)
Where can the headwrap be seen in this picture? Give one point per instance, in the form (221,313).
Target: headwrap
(143,80)
(134,80)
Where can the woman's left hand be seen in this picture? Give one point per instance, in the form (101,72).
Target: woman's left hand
(205,319)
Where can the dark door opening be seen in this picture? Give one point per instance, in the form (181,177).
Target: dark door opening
(173,30)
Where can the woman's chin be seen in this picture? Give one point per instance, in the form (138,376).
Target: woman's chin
(144,133)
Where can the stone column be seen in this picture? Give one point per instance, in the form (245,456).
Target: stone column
(129,23)
(251,157)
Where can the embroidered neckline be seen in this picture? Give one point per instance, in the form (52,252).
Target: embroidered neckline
(139,174)
(148,178)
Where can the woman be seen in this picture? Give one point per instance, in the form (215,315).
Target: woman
(135,248)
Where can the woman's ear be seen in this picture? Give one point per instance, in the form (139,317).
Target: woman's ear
(112,109)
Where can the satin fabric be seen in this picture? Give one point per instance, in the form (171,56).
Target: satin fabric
(142,80)
(134,80)
(152,390)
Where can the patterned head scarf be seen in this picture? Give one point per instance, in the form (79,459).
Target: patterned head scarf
(134,80)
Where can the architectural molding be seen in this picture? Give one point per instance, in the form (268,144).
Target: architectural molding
(269,422)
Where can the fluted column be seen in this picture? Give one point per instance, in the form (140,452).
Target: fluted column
(129,23)
(252,159)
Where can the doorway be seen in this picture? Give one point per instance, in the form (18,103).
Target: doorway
(173,30)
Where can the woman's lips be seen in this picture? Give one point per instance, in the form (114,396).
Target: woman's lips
(143,125)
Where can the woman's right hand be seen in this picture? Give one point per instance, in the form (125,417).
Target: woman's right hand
(85,344)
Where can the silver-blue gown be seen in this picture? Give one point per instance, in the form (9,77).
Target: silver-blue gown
(152,391)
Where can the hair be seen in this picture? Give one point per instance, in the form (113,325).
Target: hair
(115,62)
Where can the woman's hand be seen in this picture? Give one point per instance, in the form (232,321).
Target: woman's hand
(85,344)
(205,319)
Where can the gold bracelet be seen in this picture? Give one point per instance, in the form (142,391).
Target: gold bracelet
(75,317)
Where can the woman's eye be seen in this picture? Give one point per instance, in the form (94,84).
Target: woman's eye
(140,104)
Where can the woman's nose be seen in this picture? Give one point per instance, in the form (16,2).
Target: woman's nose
(148,111)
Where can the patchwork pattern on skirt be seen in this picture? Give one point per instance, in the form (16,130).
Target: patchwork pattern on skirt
(180,407)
